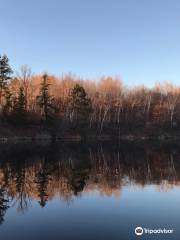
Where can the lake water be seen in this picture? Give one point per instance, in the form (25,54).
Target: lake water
(89,192)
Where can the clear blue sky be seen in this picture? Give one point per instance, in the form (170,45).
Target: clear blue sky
(138,40)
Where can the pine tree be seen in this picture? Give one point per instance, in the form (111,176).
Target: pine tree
(5,74)
(80,109)
(8,103)
(45,100)
(20,113)
(80,104)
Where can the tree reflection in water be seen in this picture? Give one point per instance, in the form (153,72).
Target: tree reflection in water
(42,172)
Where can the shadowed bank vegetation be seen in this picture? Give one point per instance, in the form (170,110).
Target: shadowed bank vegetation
(31,105)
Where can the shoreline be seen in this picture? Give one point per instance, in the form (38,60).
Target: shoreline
(94,138)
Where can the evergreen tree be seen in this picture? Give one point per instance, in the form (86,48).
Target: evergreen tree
(80,108)
(8,103)
(80,104)
(20,113)
(5,74)
(45,100)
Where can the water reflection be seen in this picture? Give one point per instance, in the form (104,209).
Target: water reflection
(42,173)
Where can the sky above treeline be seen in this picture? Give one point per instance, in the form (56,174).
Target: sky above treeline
(137,40)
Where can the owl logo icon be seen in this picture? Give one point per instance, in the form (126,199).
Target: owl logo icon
(138,231)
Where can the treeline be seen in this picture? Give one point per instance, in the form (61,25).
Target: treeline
(70,105)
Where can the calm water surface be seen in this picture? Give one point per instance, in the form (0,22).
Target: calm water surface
(91,192)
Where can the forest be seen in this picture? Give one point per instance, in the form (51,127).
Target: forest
(66,106)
